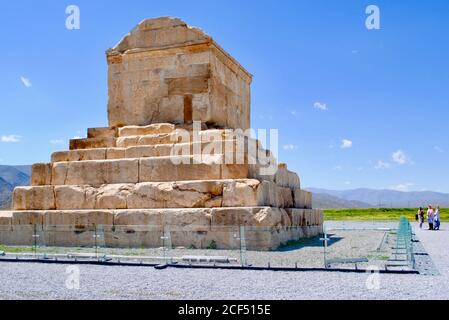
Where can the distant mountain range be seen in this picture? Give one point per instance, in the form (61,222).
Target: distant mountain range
(368,198)
(11,177)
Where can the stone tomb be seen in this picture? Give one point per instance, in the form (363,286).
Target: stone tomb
(163,76)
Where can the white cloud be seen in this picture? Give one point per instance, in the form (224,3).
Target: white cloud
(26,82)
(294,113)
(400,157)
(320,106)
(10,138)
(438,149)
(346,144)
(404,187)
(290,147)
(57,141)
(77,137)
(382,165)
(338,168)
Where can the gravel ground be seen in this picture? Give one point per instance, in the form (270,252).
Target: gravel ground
(42,281)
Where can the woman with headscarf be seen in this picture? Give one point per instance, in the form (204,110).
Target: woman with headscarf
(420,215)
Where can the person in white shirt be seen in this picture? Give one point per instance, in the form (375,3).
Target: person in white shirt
(430,213)
(436,219)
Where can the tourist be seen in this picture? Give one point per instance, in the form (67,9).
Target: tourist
(430,214)
(436,219)
(420,216)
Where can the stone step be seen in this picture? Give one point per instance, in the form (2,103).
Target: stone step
(92,143)
(157,128)
(158,150)
(156,169)
(125,139)
(265,228)
(102,132)
(179,194)
(42,173)
(183,218)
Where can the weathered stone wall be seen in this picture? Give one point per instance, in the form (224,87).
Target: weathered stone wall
(165,71)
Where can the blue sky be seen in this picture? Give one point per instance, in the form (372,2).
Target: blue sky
(384,91)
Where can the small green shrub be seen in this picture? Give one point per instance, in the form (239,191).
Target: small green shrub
(212,245)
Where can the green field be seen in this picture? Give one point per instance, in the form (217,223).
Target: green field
(376,214)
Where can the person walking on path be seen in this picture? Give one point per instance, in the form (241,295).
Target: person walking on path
(430,214)
(436,219)
(420,216)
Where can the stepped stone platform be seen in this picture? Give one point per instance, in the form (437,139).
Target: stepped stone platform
(170,158)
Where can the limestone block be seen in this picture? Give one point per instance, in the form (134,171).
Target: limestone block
(92,143)
(234,171)
(23,218)
(34,198)
(158,139)
(115,153)
(79,155)
(171,109)
(75,197)
(242,194)
(255,217)
(163,169)
(129,217)
(60,156)
(297,217)
(146,130)
(41,174)
(187,85)
(271,194)
(286,178)
(59,173)
(128,141)
(148,151)
(78,218)
(186,220)
(287,197)
(113,196)
(302,199)
(96,172)
(152,139)
(224,238)
(214,188)
(5,219)
(214,202)
(165,195)
(101,132)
